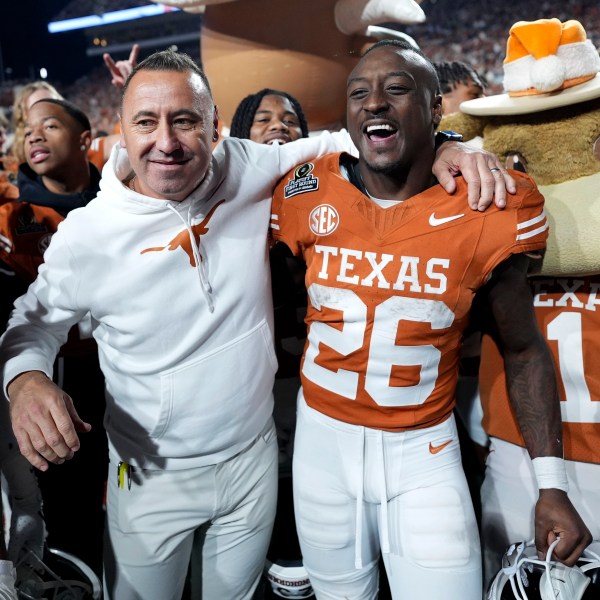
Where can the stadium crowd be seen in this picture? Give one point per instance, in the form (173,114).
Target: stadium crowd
(476,32)
(463,30)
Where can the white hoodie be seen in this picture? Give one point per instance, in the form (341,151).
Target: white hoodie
(179,295)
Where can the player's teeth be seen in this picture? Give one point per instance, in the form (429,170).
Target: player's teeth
(376,127)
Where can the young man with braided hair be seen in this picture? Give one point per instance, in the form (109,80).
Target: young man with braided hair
(269,111)
(458,82)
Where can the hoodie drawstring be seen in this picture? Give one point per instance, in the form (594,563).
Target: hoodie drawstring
(200,269)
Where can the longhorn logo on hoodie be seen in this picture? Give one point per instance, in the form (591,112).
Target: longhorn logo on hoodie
(182,240)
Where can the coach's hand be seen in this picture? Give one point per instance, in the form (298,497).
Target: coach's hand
(44,420)
(487,179)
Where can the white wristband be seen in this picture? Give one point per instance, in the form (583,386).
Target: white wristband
(550,472)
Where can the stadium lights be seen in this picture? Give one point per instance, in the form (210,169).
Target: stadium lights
(109,17)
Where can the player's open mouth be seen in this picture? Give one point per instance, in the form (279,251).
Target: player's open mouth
(379,131)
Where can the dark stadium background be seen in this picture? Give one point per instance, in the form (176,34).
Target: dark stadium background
(26,44)
(471,30)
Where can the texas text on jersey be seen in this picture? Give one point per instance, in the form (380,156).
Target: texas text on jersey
(390,289)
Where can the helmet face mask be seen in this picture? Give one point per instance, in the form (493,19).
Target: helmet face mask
(59,575)
(525,577)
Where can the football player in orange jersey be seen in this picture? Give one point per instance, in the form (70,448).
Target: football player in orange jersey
(565,297)
(392,268)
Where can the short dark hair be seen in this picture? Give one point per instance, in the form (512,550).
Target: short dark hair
(168,60)
(71,109)
(405,45)
(451,73)
(242,120)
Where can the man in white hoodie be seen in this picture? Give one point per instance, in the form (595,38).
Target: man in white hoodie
(171,262)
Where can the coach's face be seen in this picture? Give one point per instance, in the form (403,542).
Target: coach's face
(168,125)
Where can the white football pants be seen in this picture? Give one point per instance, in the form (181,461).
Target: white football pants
(358,491)
(221,516)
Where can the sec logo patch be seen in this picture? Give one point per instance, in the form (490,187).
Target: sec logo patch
(323,219)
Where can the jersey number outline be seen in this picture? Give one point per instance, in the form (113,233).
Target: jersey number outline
(578,406)
(384,353)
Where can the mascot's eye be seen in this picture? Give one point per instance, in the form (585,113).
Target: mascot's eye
(516,161)
(596,147)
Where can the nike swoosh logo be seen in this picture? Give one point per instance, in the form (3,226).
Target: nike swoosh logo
(435,449)
(434,222)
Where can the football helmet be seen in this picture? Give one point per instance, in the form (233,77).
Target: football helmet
(288,579)
(525,577)
(59,576)
(284,570)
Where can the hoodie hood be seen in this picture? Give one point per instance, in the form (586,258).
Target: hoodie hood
(31,189)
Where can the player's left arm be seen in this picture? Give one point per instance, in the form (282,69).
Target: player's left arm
(532,388)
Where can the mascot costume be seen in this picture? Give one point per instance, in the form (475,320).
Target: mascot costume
(303,48)
(547,124)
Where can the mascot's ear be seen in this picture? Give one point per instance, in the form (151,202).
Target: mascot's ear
(467,125)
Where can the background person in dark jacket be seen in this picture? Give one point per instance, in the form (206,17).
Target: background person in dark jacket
(55,179)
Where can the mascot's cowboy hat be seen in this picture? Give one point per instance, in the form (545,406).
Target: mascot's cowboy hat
(548,64)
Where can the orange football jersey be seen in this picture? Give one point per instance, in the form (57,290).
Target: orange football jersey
(568,314)
(390,289)
(96,153)
(25,232)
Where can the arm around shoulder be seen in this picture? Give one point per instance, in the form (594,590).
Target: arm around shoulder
(486,177)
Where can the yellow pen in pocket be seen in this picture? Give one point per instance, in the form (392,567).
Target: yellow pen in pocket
(122,472)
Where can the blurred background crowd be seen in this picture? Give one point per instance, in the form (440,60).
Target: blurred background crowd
(471,31)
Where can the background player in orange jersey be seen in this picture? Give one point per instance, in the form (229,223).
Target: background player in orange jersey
(392,269)
(562,102)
